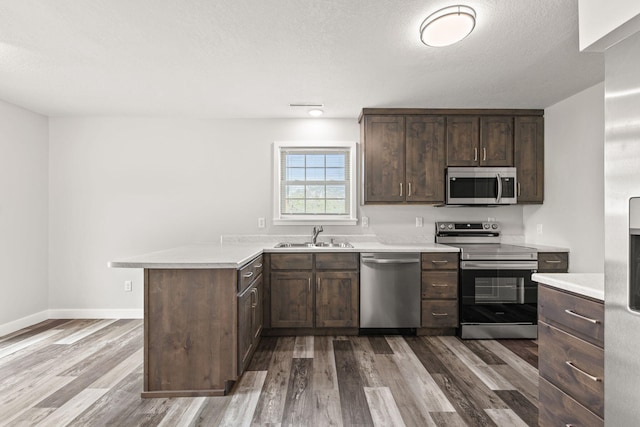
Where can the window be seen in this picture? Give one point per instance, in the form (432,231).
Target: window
(314,181)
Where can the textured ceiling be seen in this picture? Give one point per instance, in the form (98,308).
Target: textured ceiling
(251,58)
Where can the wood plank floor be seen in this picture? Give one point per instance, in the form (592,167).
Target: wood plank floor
(89,373)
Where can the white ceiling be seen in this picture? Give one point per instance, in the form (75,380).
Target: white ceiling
(251,58)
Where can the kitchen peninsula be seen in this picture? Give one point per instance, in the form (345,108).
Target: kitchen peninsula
(203,311)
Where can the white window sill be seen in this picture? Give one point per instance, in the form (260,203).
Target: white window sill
(315,220)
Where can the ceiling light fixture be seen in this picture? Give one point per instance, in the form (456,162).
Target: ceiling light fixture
(316,112)
(447,26)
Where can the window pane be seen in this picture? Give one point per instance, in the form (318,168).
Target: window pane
(295,191)
(295,174)
(294,206)
(336,160)
(315,160)
(295,160)
(336,207)
(315,192)
(335,174)
(315,174)
(315,206)
(336,191)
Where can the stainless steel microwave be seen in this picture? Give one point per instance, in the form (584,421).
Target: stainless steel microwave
(481,186)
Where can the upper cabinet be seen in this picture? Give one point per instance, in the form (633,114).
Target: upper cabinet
(407,151)
(404,158)
(479,141)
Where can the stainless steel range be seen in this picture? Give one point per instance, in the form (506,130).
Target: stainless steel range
(498,299)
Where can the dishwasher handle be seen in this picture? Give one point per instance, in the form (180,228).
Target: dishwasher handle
(390,260)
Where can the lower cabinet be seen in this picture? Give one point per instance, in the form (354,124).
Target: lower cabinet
(314,290)
(249,322)
(439,292)
(571,359)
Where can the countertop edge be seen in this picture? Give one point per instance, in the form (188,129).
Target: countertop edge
(587,284)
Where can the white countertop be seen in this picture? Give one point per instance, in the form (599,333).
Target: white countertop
(587,284)
(235,255)
(545,248)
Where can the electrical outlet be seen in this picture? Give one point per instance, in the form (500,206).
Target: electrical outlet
(539,228)
(419,221)
(128,285)
(491,219)
(365,221)
(261,223)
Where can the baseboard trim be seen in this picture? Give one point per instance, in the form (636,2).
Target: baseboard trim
(97,313)
(24,322)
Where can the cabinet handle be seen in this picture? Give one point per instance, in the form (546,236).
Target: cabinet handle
(475,154)
(440,285)
(254,292)
(249,274)
(309,287)
(580,316)
(519,190)
(552,261)
(484,153)
(439,261)
(439,314)
(591,377)
(317,283)
(400,189)
(257,266)
(409,190)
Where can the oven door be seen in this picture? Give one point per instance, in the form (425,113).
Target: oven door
(498,293)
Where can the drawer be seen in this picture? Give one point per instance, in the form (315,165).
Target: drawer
(558,409)
(440,314)
(573,365)
(439,284)
(249,273)
(440,261)
(301,261)
(550,262)
(579,316)
(337,261)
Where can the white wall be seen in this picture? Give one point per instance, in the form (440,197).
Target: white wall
(604,23)
(121,187)
(573,211)
(23,217)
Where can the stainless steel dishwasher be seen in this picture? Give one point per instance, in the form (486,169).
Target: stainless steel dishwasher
(389,290)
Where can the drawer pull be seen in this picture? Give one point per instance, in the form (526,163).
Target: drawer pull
(552,261)
(257,266)
(249,274)
(440,285)
(591,377)
(580,316)
(439,314)
(439,261)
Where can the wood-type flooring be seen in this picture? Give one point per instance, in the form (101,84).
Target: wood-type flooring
(89,373)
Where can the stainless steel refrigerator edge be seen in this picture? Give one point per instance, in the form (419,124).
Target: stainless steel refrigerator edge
(622,182)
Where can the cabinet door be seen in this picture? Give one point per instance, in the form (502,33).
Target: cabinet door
(245,327)
(496,141)
(384,159)
(257,311)
(425,148)
(529,158)
(291,299)
(337,299)
(462,141)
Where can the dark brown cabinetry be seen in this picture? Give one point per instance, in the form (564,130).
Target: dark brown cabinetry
(571,358)
(529,158)
(404,158)
(439,293)
(406,151)
(311,291)
(553,262)
(201,327)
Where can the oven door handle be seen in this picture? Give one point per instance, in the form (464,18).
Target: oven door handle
(469,265)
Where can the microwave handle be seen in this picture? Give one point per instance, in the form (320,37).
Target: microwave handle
(499,179)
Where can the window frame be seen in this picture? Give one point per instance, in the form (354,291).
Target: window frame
(290,219)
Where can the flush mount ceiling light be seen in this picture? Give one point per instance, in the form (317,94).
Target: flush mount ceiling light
(316,112)
(447,26)
(313,112)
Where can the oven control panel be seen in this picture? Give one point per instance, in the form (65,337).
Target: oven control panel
(446,227)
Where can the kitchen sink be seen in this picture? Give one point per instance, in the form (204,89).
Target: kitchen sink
(314,245)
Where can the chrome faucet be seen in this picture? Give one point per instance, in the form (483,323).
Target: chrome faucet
(316,231)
